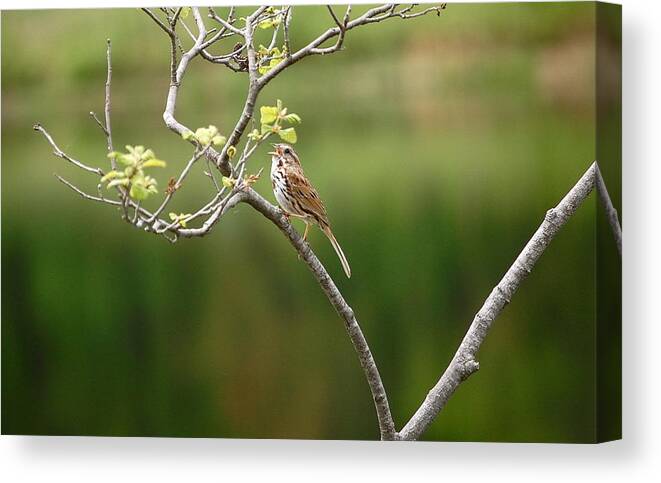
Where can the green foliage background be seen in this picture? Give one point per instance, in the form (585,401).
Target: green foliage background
(438,144)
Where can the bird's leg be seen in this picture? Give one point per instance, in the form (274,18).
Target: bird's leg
(305,235)
(307,227)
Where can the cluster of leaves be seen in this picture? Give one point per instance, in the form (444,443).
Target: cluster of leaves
(205,136)
(133,177)
(269,58)
(273,18)
(273,119)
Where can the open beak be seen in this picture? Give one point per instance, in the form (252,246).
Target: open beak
(273,152)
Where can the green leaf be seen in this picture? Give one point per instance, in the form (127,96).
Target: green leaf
(219,140)
(231,152)
(263,69)
(111,175)
(293,118)
(149,154)
(187,135)
(125,159)
(228,182)
(288,135)
(263,50)
(118,182)
(136,151)
(266,128)
(185,11)
(154,163)
(254,135)
(269,114)
(138,191)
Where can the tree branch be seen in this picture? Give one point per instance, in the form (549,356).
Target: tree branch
(464,362)
(106,105)
(611,212)
(61,154)
(379,396)
(376,14)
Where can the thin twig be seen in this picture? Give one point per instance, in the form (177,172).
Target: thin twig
(337,20)
(85,195)
(106,105)
(158,22)
(98,121)
(227,25)
(61,154)
(287,22)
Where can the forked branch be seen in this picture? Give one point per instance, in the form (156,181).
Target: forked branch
(464,363)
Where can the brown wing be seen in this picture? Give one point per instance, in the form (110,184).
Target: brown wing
(306,195)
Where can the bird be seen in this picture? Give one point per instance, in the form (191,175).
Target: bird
(297,197)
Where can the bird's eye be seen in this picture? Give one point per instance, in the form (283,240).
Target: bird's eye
(287,151)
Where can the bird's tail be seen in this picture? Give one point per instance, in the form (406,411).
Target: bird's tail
(338,249)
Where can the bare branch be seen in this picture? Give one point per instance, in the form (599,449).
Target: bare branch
(611,212)
(168,114)
(464,362)
(274,37)
(159,22)
(288,15)
(215,59)
(373,15)
(85,195)
(230,19)
(226,24)
(61,154)
(233,199)
(404,15)
(98,121)
(275,215)
(337,20)
(340,39)
(106,106)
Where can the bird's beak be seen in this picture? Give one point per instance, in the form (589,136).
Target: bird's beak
(273,152)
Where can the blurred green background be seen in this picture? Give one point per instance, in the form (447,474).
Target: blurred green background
(437,144)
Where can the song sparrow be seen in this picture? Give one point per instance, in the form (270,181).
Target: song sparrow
(297,197)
